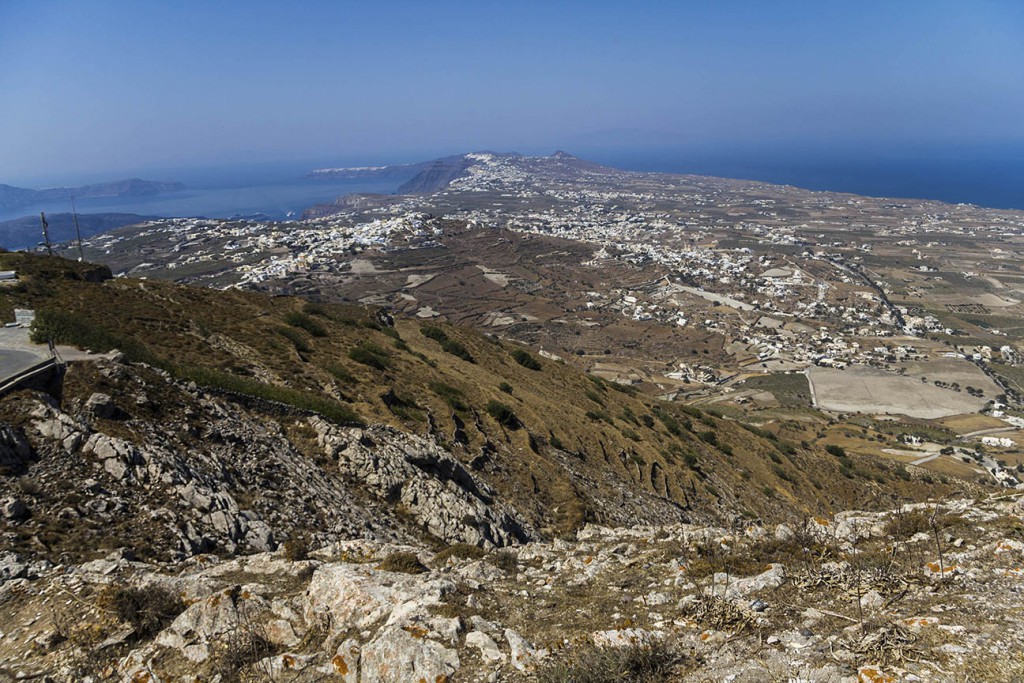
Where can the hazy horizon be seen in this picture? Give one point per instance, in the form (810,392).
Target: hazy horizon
(93,91)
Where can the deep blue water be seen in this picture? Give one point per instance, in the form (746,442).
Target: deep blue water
(992,178)
(277,199)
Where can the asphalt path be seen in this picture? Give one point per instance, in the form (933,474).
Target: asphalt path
(13,361)
(17,353)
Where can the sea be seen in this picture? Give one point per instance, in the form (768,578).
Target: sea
(992,177)
(274,199)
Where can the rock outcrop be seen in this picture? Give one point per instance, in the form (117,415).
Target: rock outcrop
(193,473)
(432,485)
(845,610)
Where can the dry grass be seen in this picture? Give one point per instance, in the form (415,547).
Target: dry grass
(462,551)
(992,668)
(642,662)
(146,609)
(403,562)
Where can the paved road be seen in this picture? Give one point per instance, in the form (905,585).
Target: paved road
(986,432)
(17,353)
(927,458)
(14,361)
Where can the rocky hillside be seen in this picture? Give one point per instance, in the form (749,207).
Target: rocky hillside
(437,175)
(923,593)
(559,447)
(268,488)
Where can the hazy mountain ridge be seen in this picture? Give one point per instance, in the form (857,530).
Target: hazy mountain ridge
(12,197)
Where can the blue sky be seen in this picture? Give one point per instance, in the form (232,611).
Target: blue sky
(101,88)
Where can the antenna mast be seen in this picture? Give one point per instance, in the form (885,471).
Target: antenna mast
(46,233)
(78,233)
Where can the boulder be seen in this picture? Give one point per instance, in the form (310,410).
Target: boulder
(524,656)
(119,457)
(102,406)
(11,567)
(15,451)
(489,651)
(359,596)
(397,655)
(13,509)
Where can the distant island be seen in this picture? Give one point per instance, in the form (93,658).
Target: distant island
(398,172)
(14,197)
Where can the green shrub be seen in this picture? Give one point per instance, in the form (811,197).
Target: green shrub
(670,422)
(505,387)
(710,437)
(835,450)
(433,332)
(296,338)
(785,447)
(503,414)
(341,373)
(781,473)
(313,308)
(223,381)
(371,355)
(692,411)
(75,330)
(526,359)
(448,344)
(402,562)
(624,388)
(764,434)
(383,329)
(304,322)
(457,349)
(504,560)
(449,394)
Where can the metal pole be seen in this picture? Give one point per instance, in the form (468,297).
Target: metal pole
(78,233)
(46,233)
